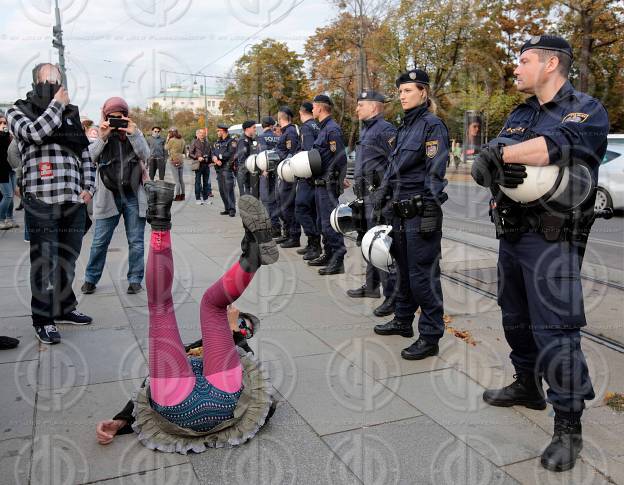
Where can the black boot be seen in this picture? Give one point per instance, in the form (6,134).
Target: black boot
(322,260)
(335,266)
(257,246)
(284,237)
(160,196)
(293,242)
(385,309)
(304,249)
(394,327)
(567,442)
(419,350)
(314,251)
(276,232)
(524,391)
(363,292)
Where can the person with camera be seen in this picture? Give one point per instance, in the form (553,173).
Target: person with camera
(57,181)
(200,153)
(158,154)
(120,153)
(412,194)
(175,147)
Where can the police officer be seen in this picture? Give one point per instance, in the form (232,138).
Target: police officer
(305,205)
(414,182)
(267,140)
(288,145)
(329,185)
(247,145)
(377,139)
(223,156)
(540,250)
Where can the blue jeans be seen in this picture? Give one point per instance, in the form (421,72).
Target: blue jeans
(203,188)
(128,206)
(6,204)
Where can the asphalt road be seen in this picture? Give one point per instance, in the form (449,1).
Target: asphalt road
(467,210)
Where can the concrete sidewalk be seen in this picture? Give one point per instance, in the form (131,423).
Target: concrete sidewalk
(351,410)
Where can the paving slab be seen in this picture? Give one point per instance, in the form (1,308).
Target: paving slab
(454,401)
(412,451)
(332,394)
(20,328)
(285,451)
(16,401)
(531,472)
(174,475)
(15,460)
(65,444)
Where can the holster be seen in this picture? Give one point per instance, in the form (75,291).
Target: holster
(509,221)
(408,208)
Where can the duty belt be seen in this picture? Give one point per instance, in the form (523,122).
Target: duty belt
(320,182)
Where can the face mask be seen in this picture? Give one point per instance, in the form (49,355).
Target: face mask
(156,135)
(46,90)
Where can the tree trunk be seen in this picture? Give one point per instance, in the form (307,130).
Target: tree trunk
(587,40)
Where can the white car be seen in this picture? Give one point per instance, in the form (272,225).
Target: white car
(610,192)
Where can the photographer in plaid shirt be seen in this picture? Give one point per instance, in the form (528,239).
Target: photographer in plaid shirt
(58,180)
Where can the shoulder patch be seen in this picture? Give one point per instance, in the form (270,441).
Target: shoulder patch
(288,144)
(392,141)
(431,148)
(575,117)
(234,144)
(332,145)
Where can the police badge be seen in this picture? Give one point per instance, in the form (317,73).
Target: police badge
(332,146)
(288,144)
(431,148)
(575,117)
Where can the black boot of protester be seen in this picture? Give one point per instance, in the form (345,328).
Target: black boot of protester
(160,196)
(258,246)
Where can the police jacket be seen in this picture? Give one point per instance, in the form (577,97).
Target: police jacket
(288,143)
(377,140)
(267,140)
(574,124)
(331,147)
(246,147)
(309,131)
(418,161)
(225,150)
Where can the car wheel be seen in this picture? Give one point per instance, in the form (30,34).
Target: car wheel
(603,200)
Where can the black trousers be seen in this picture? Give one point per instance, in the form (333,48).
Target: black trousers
(56,232)
(157,164)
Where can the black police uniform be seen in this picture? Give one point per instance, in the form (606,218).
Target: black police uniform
(247,182)
(417,168)
(305,205)
(540,291)
(288,145)
(331,147)
(267,140)
(376,143)
(225,151)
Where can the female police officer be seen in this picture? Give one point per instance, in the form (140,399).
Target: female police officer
(413,188)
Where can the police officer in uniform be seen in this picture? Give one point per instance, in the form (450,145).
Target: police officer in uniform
(541,247)
(328,186)
(305,205)
(223,156)
(414,184)
(288,145)
(247,145)
(377,139)
(267,140)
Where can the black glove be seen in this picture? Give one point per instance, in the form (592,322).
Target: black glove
(430,221)
(488,168)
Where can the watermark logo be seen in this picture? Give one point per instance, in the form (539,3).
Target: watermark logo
(259,13)
(42,12)
(157,13)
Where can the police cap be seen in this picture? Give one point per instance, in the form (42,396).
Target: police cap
(223,126)
(286,110)
(306,106)
(322,98)
(369,95)
(268,121)
(248,124)
(548,42)
(413,76)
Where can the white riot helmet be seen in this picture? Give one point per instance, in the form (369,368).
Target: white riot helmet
(284,171)
(250,163)
(306,164)
(375,247)
(267,160)
(560,188)
(348,218)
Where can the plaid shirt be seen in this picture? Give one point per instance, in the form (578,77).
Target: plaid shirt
(51,172)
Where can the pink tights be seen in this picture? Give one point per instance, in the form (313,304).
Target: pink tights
(171,376)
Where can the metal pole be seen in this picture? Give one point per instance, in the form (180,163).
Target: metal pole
(258,87)
(57,42)
(205,108)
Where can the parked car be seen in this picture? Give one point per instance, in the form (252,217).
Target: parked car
(610,191)
(350,163)
(236,131)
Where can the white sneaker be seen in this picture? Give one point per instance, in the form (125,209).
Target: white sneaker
(199,202)
(208,202)
(4,225)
